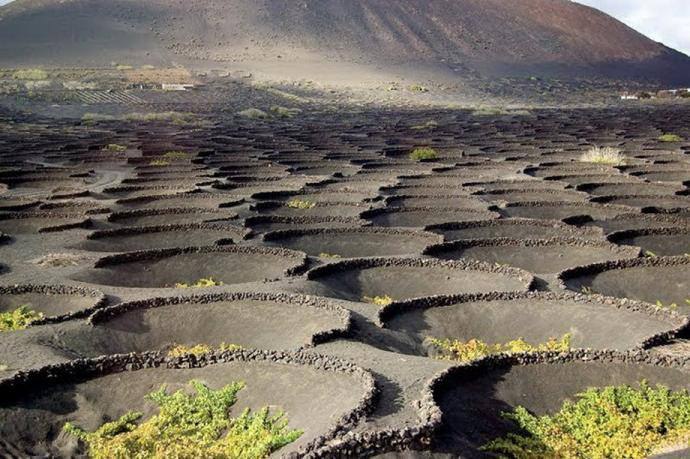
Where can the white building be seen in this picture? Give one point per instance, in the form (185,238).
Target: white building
(177,86)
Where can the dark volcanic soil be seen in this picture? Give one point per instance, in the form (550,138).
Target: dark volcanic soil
(314,224)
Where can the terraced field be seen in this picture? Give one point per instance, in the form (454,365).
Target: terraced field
(317,258)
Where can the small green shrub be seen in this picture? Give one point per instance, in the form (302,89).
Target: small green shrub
(329,255)
(30,74)
(91,118)
(418,88)
(384,300)
(669,138)
(422,154)
(300,204)
(114,148)
(284,112)
(201,283)
(490,111)
(176,155)
(672,306)
(607,155)
(190,426)
(159,162)
(466,351)
(4,367)
(18,319)
(285,95)
(179,118)
(123,67)
(253,114)
(428,125)
(198,350)
(616,422)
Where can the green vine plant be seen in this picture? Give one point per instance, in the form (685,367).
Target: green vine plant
(300,204)
(115,148)
(190,426)
(474,349)
(384,300)
(18,319)
(672,306)
(423,154)
(198,350)
(201,283)
(176,155)
(614,422)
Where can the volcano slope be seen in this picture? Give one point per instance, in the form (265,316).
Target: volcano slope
(342,39)
(313,257)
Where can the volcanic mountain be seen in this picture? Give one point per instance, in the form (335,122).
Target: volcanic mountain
(482,37)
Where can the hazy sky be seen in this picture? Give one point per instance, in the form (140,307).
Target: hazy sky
(667,21)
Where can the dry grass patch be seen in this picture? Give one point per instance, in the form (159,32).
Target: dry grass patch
(59,260)
(606,155)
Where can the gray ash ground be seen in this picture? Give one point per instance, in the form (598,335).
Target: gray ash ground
(505,234)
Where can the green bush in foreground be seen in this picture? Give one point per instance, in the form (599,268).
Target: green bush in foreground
(461,351)
(420,154)
(190,426)
(18,319)
(670,138)
(616,422)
